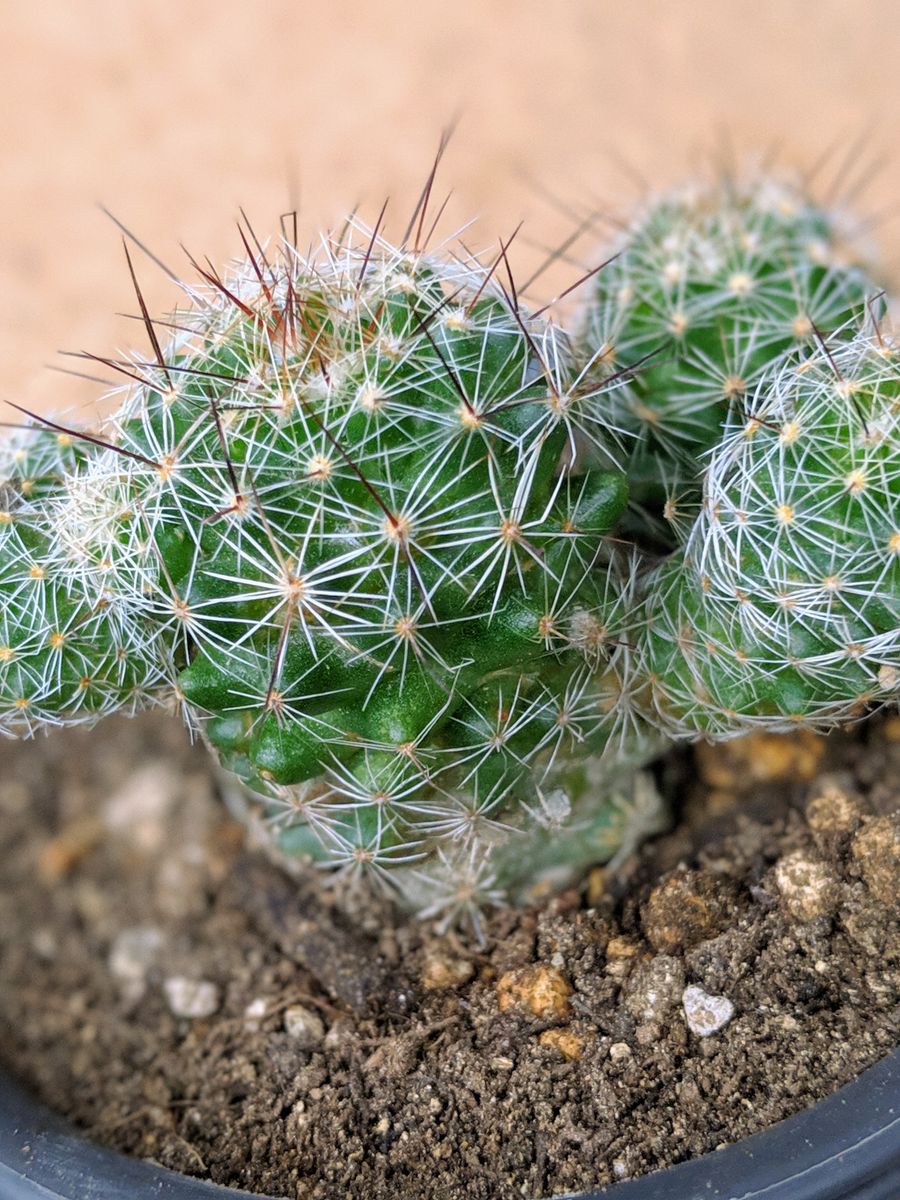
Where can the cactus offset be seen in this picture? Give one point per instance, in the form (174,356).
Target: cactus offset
(64,658)
(783,609)
(712,285)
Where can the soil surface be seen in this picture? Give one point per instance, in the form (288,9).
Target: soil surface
(181,1000)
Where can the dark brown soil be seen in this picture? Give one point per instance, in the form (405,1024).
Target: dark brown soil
(364,1056)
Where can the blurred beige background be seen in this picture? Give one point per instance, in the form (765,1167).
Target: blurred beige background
(174,114)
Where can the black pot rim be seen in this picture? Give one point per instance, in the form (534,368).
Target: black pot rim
(847,1147)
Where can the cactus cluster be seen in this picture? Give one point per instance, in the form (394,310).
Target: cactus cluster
(363,516)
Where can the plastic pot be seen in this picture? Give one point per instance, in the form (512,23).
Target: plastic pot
(845,1148)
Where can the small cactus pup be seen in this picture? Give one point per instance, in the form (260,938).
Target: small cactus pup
(783,608)
(65,658)
(712,283)
(349,508)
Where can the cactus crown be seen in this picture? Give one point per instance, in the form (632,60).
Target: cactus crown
(362,516)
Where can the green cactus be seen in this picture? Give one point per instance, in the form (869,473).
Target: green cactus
(347,515)
(361,517)
(783,609)
(64,659)
(712,285)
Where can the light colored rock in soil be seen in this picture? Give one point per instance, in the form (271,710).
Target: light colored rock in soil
(44,943)
(131,956)
(654,988)
(541,990)
(138,810)
(833,814)
(808,887)
(705,1014)
(443,971)
(191,998)
(254,1013)
(339,1033)
(304,1025)
(569,1043)
(621,955)
(876,852)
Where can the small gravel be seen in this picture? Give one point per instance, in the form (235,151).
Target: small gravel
(133,953)
(705,1014)
(192,998)
(808,887)
(305,1026)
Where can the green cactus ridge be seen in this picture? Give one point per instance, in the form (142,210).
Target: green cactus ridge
(714,282)
(365,522)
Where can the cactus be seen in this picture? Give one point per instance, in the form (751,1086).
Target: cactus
(63,660)
(346,512)
(361,518)
(783,608)
(712,284)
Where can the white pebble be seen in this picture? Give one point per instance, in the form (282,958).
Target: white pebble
(193,998)
(304,1025)
(254,1013)
(133,952)
(705,1014)
(44,944)
(338,1034)
(140,809)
